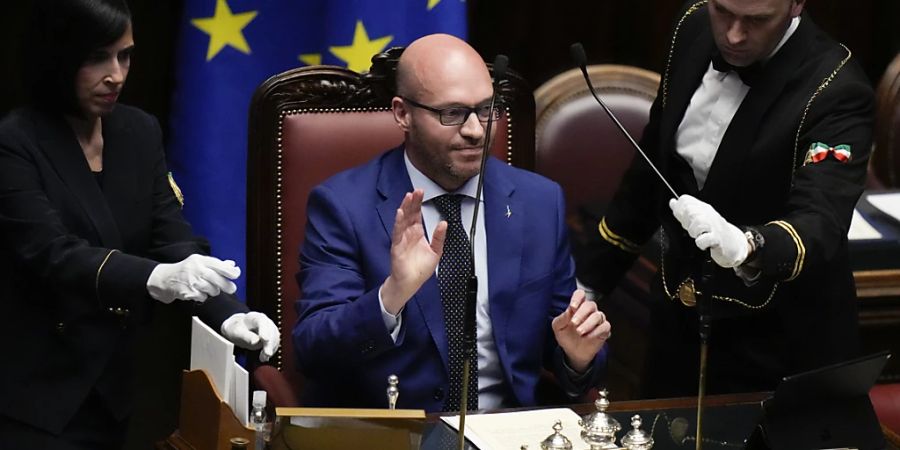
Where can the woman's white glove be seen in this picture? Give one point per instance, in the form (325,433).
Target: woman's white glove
(253,330)
(195,278)
(727,244)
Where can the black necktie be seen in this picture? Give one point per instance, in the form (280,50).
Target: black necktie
(453,274)
(749,74)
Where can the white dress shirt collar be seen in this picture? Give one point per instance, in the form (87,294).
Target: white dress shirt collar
(421,181)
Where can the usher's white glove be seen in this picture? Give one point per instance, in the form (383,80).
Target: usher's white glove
(253,330)
(726,243)
(194,278)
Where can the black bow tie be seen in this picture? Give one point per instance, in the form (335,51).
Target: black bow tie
(749,74)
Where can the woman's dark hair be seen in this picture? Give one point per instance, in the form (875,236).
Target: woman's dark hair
(63,33)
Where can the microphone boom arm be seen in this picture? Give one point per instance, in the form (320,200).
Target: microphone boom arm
(500,64)
(580,58)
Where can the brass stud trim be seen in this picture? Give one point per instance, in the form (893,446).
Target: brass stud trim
(824,84)
(693,8)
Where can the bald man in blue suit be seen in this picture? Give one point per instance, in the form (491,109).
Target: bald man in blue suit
(372,303)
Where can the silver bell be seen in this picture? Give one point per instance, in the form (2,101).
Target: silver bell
(637,439)
(599,428)
(556,441)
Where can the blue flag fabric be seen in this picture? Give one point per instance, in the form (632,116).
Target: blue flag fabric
(228,47)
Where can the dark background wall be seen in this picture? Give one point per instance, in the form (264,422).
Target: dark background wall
(535,34)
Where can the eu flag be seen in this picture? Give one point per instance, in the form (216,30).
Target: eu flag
(228,47)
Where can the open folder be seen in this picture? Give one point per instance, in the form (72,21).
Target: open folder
(512,430)
(214,354)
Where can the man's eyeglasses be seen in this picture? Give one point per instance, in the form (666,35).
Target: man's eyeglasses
(458,115)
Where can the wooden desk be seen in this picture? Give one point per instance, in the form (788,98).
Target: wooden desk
(893,439)
(621,409)
(715,412)
(879,316)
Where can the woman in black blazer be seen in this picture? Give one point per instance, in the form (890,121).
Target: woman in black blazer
(91,237)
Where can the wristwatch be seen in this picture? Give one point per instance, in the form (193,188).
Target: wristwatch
(756,241)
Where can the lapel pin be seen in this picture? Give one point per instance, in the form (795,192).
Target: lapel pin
(508,212)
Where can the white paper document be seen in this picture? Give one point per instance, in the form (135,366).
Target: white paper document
(214,354)
(887,203)
(241,391)
(509,431)
(860,229)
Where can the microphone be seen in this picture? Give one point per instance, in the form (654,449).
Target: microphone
(580,58)
(500,64)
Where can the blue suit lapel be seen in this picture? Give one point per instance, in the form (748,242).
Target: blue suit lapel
(393,184)
(504,219)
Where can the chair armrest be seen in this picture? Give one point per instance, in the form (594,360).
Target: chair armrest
(886,400)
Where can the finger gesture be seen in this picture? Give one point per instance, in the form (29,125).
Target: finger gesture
(581,330)
(413,258)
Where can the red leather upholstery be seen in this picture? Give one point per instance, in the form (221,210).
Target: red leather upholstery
(886,150)
(578,145)
(306,125)
(886,400)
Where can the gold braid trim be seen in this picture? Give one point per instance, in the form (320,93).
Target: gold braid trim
(100,269)
(747,305)
(819,90)
(801,249)
(675,295)
(614,239)
(665,80)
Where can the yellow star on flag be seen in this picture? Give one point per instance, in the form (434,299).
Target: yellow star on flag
(225,28)
(311,59)
(359,54)
(432,4)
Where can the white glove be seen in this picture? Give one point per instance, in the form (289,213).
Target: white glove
(253,330)
(194,278)
(726,243)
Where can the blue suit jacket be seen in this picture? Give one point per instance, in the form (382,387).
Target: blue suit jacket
(343,347)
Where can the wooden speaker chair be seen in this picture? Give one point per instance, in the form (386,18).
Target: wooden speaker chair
(579,146)
(307,124)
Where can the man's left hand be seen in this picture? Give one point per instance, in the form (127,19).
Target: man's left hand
(254,331)
(581,330)
(726,243)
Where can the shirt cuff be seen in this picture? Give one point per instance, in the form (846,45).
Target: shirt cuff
(749,274)
(578,381)
(391,322)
